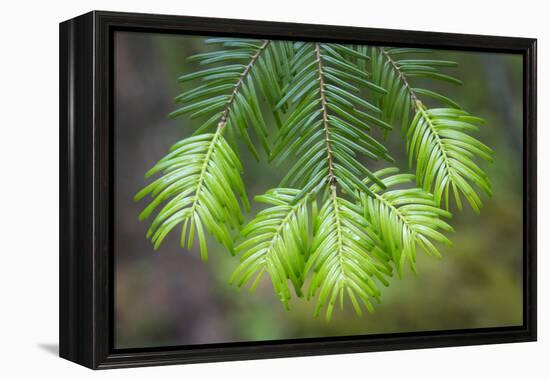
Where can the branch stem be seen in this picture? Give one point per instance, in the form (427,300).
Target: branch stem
(419,107)
(223,121)
(440,144)
(334,198)
(324,114)
(204,168)
(238,85)
(402,77)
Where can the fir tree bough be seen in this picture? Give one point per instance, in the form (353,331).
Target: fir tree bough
(333,229)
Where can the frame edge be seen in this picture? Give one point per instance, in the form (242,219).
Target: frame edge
(76,199)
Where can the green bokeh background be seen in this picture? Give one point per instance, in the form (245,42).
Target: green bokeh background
(170,297)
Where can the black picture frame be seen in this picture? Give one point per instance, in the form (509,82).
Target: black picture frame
(86,190)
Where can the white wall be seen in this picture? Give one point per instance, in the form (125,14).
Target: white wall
(29,189)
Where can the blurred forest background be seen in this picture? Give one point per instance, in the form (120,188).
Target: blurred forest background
(171,297)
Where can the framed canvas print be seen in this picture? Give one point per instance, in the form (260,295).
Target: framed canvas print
(238,189)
